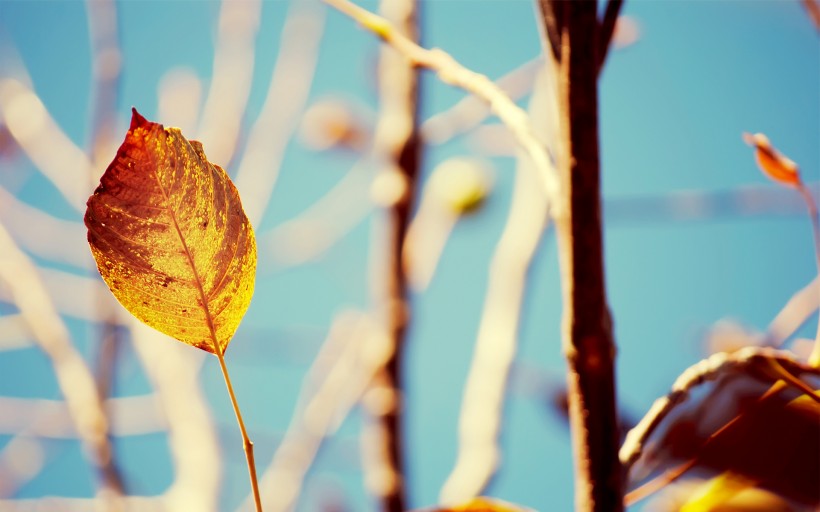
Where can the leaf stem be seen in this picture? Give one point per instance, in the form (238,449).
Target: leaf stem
(247,444)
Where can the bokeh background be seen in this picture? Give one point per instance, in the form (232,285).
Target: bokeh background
(695,234)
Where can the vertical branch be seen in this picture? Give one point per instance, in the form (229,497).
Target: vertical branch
(396,149)
(587,331)
(107,65)
(608,23)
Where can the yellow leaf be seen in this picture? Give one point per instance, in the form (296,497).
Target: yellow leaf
(771,162)
(482,504)
(171,239)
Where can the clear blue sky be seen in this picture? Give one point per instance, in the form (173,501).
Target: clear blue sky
(673,107)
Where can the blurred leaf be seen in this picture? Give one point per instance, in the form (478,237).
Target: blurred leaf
(771,162)
(171,239)
(484,505)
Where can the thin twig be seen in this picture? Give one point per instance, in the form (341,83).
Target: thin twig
(607,28)
(247,444)
(814,357)
(453,73)
(471,110)
(813,10)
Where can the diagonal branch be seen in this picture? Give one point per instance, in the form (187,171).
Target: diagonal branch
(453,73)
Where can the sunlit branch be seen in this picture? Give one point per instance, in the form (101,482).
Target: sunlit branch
(703,371)
(65,242)
(258,170)
(21,459)
(106,59)
(131,504)
(308,235)
(54,154)
(472,110)
(73,376)
(231,79)
(496,342)
(130,416)
(451,72)
(795,313)
(192,438)
(353,351)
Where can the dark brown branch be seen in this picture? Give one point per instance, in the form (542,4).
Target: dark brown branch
(607,28)
(587,329)
(396,149)
(551,14)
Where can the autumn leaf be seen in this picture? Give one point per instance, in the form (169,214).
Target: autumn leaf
(771,162)
(482,504)
(170,238)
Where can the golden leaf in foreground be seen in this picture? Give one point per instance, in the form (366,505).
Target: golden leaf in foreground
(171,239)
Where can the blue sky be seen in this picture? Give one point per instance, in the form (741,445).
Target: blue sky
(673,107)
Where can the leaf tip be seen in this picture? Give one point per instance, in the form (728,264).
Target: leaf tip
(137,120)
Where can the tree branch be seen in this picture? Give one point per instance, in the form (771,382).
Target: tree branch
(587,329)
(607,28)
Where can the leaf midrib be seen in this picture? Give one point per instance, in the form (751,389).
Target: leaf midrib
(197,280)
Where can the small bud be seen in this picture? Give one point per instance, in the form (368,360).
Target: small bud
(461,184)
(771,162)
(332,124)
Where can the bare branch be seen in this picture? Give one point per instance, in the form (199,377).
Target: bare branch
(73,375)
(287,95)
(587,327)
(451,72)
(496,342)
(231,79)
(606,29)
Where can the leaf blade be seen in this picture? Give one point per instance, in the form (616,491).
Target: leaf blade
(170,238)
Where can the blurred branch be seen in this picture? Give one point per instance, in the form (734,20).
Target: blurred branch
(130,416)
(287,95)
(797,310)
(451,72)
(692,205)
(65,242)
(472,110)
(44,142)
(705,370)
(496,342)
(107,63)
(130,504)
(397,153)
(308,235)
(588,341)
(353,351)
(21,459)
(73,376)
(230,79)
(173,371)
(606,29)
